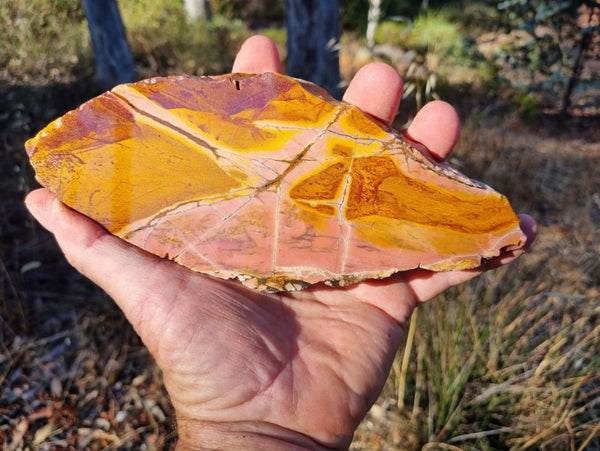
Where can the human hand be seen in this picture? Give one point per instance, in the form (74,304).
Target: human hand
(249,370)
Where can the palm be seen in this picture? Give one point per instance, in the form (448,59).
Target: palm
(321,354)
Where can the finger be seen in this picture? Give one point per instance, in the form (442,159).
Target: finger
(436,126)
(257,55)
(376,89)
(119,268)
(426,284)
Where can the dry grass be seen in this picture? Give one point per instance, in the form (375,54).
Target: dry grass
(509,360)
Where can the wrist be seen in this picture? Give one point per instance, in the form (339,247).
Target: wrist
(248,436)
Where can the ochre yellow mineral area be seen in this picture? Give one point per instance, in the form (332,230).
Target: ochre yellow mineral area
(267,179)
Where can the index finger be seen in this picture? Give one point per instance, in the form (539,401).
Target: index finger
(257,55)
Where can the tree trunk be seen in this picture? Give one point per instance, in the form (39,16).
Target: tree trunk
(313,29)
(198,9)
(582,49)
(114,62)
(373,20)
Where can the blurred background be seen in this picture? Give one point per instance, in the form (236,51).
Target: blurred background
(508,361)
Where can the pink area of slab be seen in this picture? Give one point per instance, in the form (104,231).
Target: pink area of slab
(269,180)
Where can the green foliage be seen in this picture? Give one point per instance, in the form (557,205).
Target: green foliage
(446,49)
(70,9)
(473,17)
(552,27)
(49,39)
(152,15)
(529,13)
(544,22)
(163,40)
(528,107)
(43,39)
(355,12)
(255,13)
(433,32)
(393,33)
(355,15)
(278,35)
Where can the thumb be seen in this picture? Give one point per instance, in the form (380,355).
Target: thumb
(126,273)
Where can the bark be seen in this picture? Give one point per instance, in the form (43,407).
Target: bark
(582,49)
(373,20)
(313,29)
(114,62)
(198,9)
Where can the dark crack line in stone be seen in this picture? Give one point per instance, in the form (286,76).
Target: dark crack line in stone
(193,138)
(169,125)
(276,229)
(299,157)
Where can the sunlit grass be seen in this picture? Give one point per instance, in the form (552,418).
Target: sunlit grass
(164,41)
(432,32)
(498,362)
(501,356)
(42,39)
(49,40)
(509,360)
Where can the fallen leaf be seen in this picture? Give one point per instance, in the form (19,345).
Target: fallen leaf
(44,433)
(18,433)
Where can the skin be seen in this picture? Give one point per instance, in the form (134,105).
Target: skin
(247,370)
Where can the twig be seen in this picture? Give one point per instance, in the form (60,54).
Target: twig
(589,438)
(406,358)
(481,434)
(439,445)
